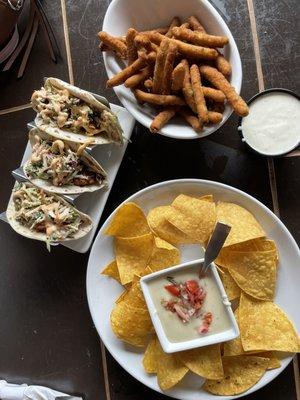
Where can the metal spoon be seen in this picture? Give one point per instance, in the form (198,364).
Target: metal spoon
(214,246)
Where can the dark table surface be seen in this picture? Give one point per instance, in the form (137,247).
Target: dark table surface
(46,333)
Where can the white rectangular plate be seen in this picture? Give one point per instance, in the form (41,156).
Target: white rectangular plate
(110,157)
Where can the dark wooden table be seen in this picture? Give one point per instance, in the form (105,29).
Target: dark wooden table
(46,333)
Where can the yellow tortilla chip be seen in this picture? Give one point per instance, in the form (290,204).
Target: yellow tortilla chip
(243,224)
(240,374)
(160,226)
(265,327)
(260,244)
(204,361)
(231,288)
(121,297)
(273,360)
(129,221)
(207,197)
(131,324)
(195,217)
(164,255)
(254,272)
(150,357)
(234,348)
(132,255)
(170,369)
(134,295)
(112,270)
(146,271)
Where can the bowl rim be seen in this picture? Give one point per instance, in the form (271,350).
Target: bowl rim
(140,116)
(251,100)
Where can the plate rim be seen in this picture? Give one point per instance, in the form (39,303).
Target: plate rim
(167,183)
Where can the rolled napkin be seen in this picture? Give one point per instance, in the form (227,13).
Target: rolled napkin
(9,391)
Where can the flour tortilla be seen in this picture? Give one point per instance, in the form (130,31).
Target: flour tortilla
(66,189)
(66,134)
(24,231)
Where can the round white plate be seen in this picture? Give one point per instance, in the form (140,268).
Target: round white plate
(102,291)
(149,14)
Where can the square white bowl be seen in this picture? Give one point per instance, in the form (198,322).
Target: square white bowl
(149,14)
(213,338)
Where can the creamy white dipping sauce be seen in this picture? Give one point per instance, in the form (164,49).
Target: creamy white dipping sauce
(273,124)
(177,331)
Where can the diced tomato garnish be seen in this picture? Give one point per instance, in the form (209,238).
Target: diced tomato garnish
(204,329)
(192,286)
(208,318)
(174,290)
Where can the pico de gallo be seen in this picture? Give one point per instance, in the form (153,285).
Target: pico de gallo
(187,299)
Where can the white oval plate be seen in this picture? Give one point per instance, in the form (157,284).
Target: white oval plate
(102,291)
(149,14)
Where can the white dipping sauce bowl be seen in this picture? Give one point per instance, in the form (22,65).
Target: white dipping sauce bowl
(203,340)
(150,14)
(254,104)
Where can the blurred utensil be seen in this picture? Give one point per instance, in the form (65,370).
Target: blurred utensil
(9,391)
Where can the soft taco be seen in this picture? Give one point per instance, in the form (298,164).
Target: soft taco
(67,112)
(61,166)
(39,215)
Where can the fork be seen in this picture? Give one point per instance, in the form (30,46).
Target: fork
(214,246)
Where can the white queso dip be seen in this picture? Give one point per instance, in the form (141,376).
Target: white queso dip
(188,307)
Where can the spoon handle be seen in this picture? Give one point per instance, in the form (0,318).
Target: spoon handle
(215,244)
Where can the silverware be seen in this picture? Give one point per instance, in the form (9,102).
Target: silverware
(102,99)
(214,246)
(68,398)
(3,216)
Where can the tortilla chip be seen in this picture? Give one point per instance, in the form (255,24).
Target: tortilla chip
(243,224)
(131,324)
(121,297)
(273,360)
(170,369)
(150,357)
(129,221)
(204,361)
(234,348)
(232,290)
(260,244)
(254,272)
(112,270)
(240,374)
(265,327)
(195,217)
(134,296)
(132,255)
(146,271)
(160,226)
(164,255)
(207,197)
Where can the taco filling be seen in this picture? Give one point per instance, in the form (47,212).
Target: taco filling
(57,163)
(60,107)
(41,212)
